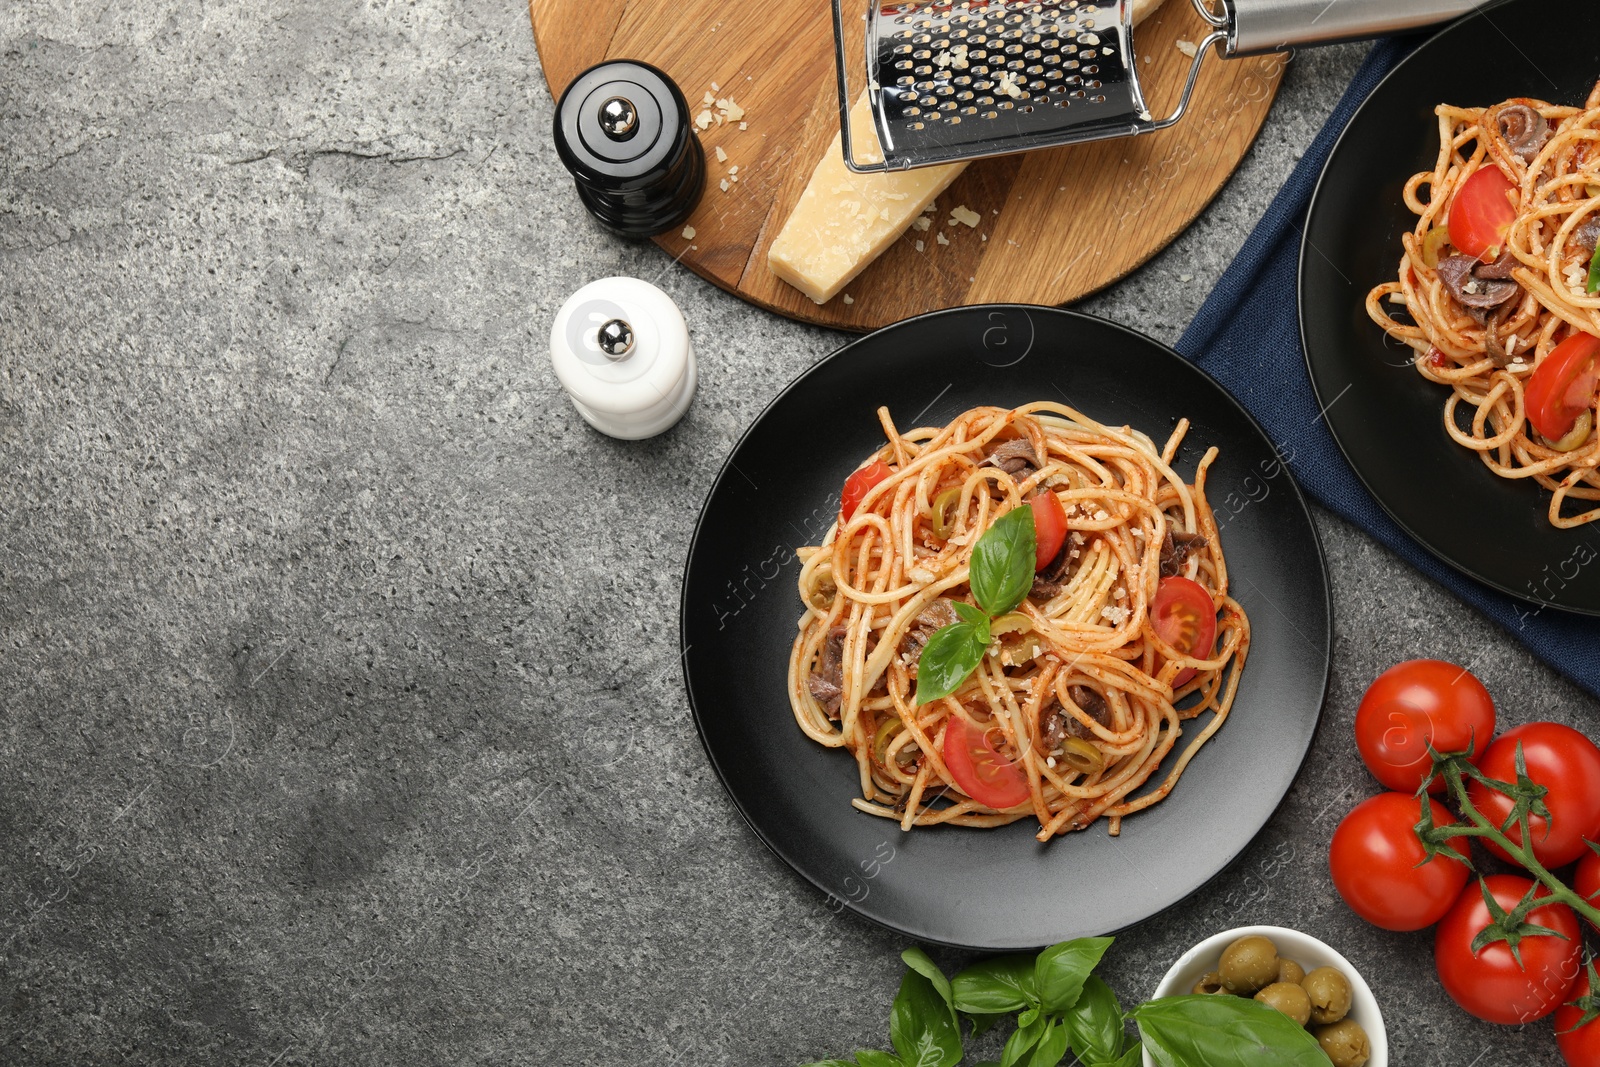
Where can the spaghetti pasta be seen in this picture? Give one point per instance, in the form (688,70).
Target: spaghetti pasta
(1077,693)
(1489,354)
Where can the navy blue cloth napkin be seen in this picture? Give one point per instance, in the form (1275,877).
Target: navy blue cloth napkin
(1247,336)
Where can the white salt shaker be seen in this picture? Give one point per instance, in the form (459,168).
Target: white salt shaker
(621,350)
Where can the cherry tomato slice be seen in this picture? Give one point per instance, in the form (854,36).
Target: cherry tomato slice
(1563,386)
(1567,764)
(1381,869)
(1049,527)
(1185,618)
(1490,983)
(1414,704)
(1482,214)
(978,767)
(859,484)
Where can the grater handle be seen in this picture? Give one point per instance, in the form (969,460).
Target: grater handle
(1256,27)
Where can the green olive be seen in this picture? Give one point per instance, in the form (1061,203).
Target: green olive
(1345,1043)
(1013,622)
(1249,965)
(1210,985)
(1289,999)
(944,512)
(1433,246)
(1330,995)
(1290,971)
(1081,756)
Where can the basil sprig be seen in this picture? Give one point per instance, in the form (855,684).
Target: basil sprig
(1000,573)
(1061,1006)
(1594,273)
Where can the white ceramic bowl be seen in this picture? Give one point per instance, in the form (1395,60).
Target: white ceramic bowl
(1305,950)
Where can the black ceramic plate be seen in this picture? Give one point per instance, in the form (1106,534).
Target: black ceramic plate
(779,490)
(1386,417)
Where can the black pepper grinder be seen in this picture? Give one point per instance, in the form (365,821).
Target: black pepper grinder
(622,129)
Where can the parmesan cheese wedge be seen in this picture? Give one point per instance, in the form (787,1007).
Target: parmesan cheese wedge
(844,220)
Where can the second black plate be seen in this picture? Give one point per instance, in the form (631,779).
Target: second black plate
(1386,417)
(779,490)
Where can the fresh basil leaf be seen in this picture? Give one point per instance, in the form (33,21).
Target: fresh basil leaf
(1052,1047)
(1027,1017)
(921,1026)
(983,1023)
(1201,1031)
(918,961)
(1061,970)
(1094,1023)
(1003,983)
(870,1058)
(1594,273)
(948,659)
(1022,1039)
(1003,562)
(969,613)
(1131,1058)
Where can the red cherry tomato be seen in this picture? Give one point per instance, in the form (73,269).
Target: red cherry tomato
(1049,527)
(1378,864)
(1413,704)
(1185,618)
(1482,214)
(981,771)
(1490,984)
(859,484)
(1563,386)
(1586,880)
(1580,1045)
(1564,762)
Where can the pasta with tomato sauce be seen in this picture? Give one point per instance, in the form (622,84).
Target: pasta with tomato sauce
(1498,293)
(1013,617)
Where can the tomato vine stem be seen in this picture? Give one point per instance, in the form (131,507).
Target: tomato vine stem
(1454,768)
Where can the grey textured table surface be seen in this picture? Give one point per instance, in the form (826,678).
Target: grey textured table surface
(339,712)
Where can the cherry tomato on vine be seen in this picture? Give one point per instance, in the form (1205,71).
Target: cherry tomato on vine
(1482,214)
(1049,527)
(1185,618)
(1567,764)
(1413,704)
(859,484)
(980,769)
(1381,869)
(1580,1045)
(1586,881)
(1490,984)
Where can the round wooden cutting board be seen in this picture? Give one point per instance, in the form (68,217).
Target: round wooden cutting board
(1055,225)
